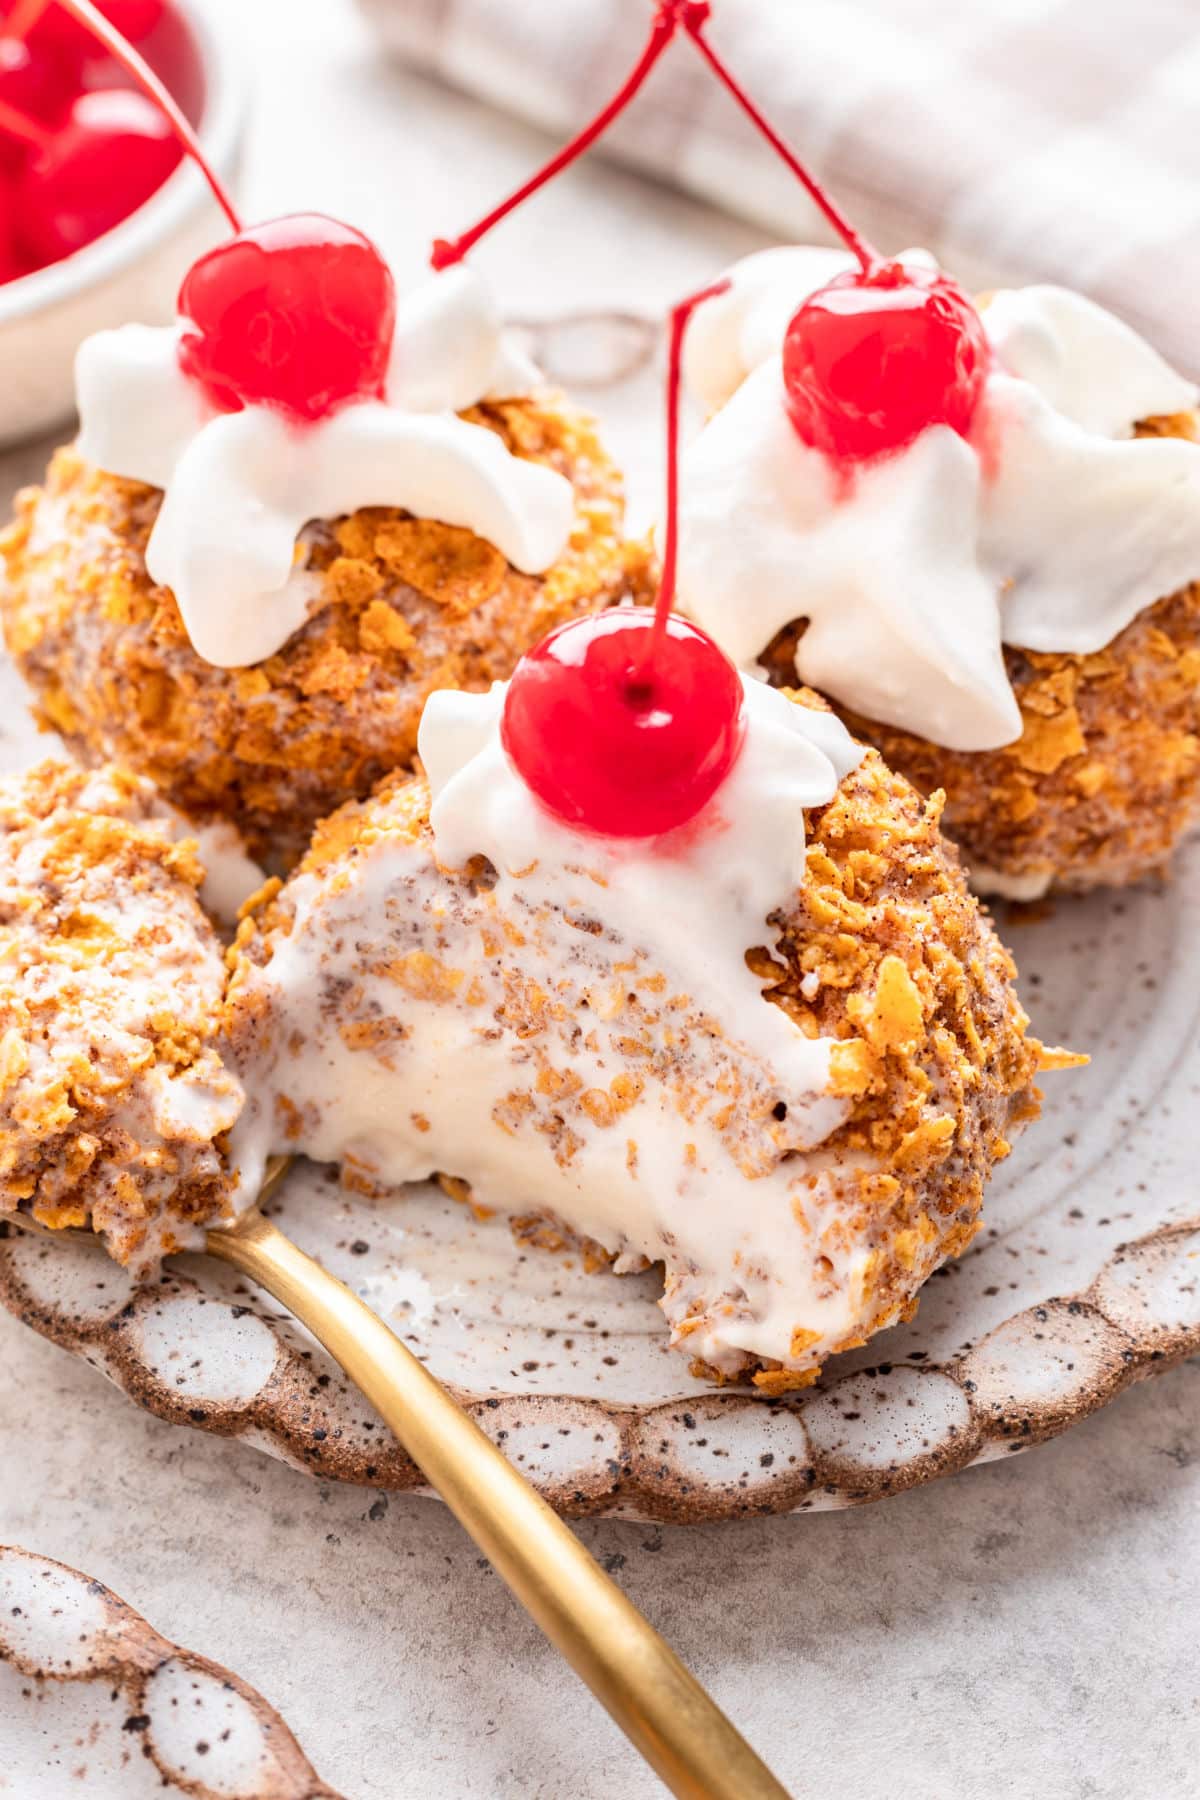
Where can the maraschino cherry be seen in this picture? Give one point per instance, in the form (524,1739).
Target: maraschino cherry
(27,85)
(875,356)
(81,160)
(871,359)
(624,724)
(111,153)
(21,135)
(879,353)
(627,725)
(628,722)
(55,26)
(618,741)
(297,314)
(10,261)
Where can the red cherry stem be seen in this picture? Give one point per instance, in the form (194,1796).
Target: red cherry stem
(680,318)
(694,20)
(18,125)
(667,19)
(123,52)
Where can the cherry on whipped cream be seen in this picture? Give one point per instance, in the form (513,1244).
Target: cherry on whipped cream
(871,359)
(877,355)
(619,741)
(297,313)
(882,351)
(627,723)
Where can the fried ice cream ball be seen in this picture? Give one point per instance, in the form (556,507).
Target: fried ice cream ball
(401,606)
(402,1019)
(114,1100)
(1104,780)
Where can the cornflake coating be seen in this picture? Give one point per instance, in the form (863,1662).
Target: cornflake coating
(401,606)
(884,951)
(113,1097)
(1104,780)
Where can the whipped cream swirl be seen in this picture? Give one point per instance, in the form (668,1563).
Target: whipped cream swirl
(1052,529)
(239,488)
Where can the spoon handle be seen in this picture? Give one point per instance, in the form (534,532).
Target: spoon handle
(632,1671)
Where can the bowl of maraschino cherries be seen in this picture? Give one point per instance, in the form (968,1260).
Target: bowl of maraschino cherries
(100,213)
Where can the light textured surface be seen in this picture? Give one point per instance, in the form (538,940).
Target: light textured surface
(1024,1629)
(927,118)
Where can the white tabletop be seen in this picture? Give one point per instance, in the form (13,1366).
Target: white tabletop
(1025,1629)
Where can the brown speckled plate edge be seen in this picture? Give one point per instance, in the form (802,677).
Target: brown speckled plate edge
(85,1635)
(1109,1333)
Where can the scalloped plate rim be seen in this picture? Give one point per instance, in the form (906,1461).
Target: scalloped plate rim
(828,1480)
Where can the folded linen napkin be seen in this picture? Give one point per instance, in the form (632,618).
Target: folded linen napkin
(1020,140)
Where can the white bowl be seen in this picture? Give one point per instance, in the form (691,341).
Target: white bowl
(133,271)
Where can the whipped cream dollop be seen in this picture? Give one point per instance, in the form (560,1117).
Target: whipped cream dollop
(578,1034)
(1052,529)
(239,488)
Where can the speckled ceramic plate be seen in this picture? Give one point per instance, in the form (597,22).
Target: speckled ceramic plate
(95,1702)
(1086,1278)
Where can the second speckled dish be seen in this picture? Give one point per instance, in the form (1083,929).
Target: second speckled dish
(94,1701)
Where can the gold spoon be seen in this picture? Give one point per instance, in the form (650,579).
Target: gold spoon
(631,1669)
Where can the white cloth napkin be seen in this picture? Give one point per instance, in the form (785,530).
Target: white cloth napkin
(1019,139)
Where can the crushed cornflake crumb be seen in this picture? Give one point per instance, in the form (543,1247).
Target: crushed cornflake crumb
(1104,780)
(113,1098)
